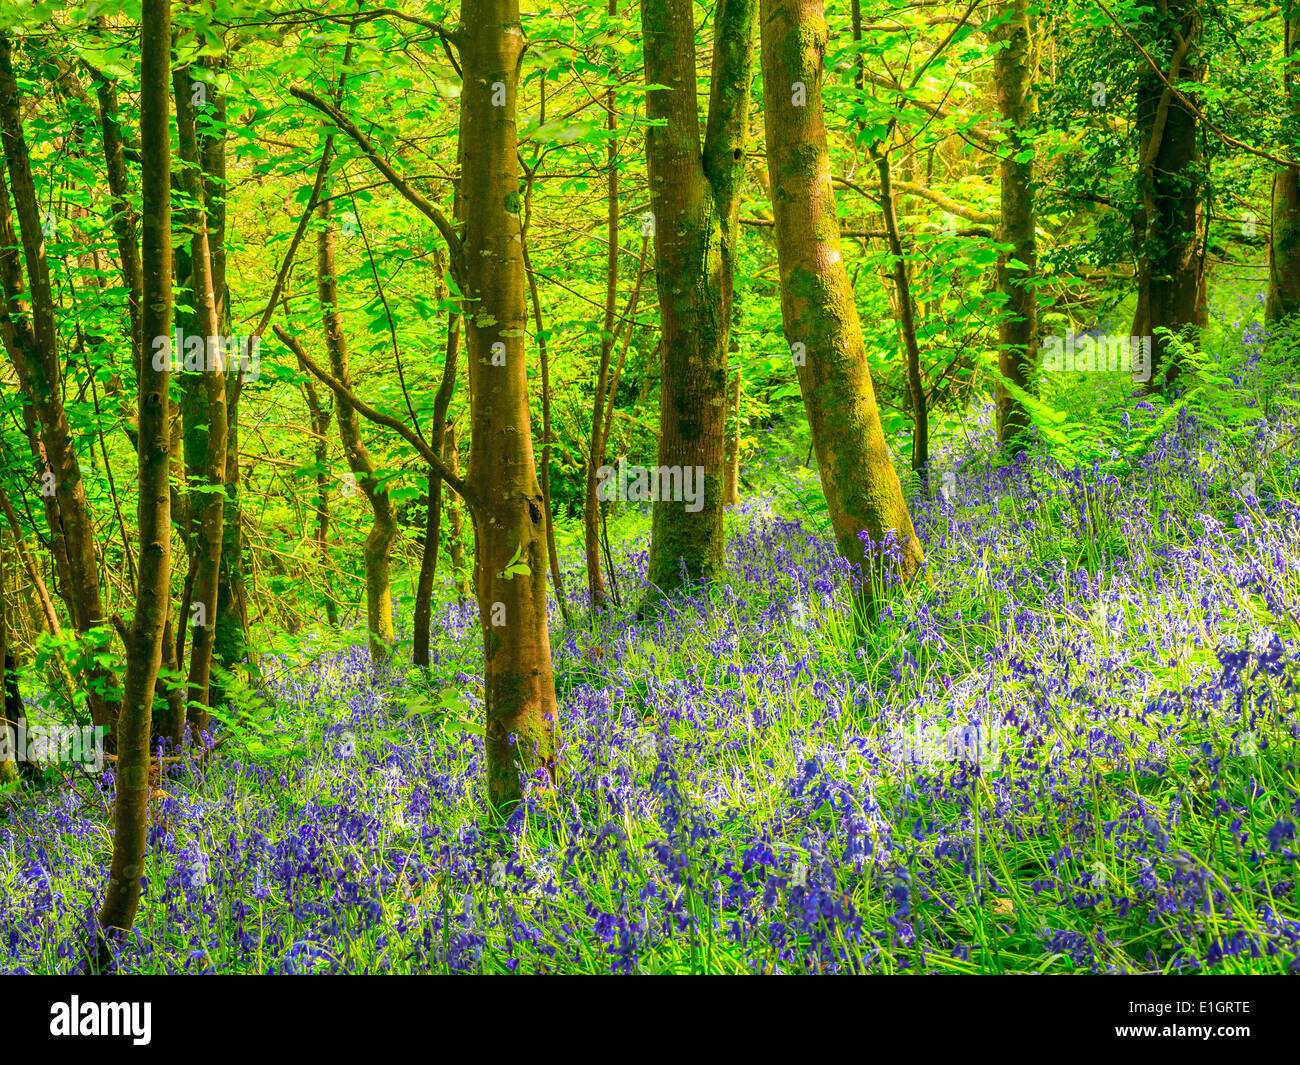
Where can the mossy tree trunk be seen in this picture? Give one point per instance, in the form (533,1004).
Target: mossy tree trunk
(1171,262)
(1018,329)
(1284,243)
(695,201)
(204,411)
(863,494)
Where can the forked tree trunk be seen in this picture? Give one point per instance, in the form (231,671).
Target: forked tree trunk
(1018,329)
(695,200)
(863,494)
(144,648)
(1171,265)
(1284,244)
(230,648)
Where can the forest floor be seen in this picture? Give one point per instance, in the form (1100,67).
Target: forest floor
(1073,747)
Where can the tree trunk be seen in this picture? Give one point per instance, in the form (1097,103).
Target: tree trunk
(1018,329)
(595,459)
(459,571)
(8,726)
(320,423)
(125,228)
(39,374)
(1284,244)
(230,648)
(205,422)
(906,322)
(383,529)
(544,360)
(510,555)
(433,521)
(695,199)
(1170,262)
(144,649)
(863,494)
(733,443)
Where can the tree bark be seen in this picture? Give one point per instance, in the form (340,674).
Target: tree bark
(733,443)
(863,494)
(144,649)
(595,457)
(459,571)
(510,554)
(206,424)
(695,199)
(1284,243)
(1171,265)
(433,520)
(1018,329)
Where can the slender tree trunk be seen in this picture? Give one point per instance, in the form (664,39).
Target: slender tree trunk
(1170,261)
(40,373)
(29,565)
(510,554)
(906,323)
(1018,330)
(595,459)
(144,650)
(8,727)
(320,422)
(433,521)
(733,442)
(206,425)
(230,648)
(862,490)
(125,229)
(460,572)
(544,360)
(1284,244)
(383,529)
(695,199)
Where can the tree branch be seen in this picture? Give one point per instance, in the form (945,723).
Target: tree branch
(459,486)
(444,224)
